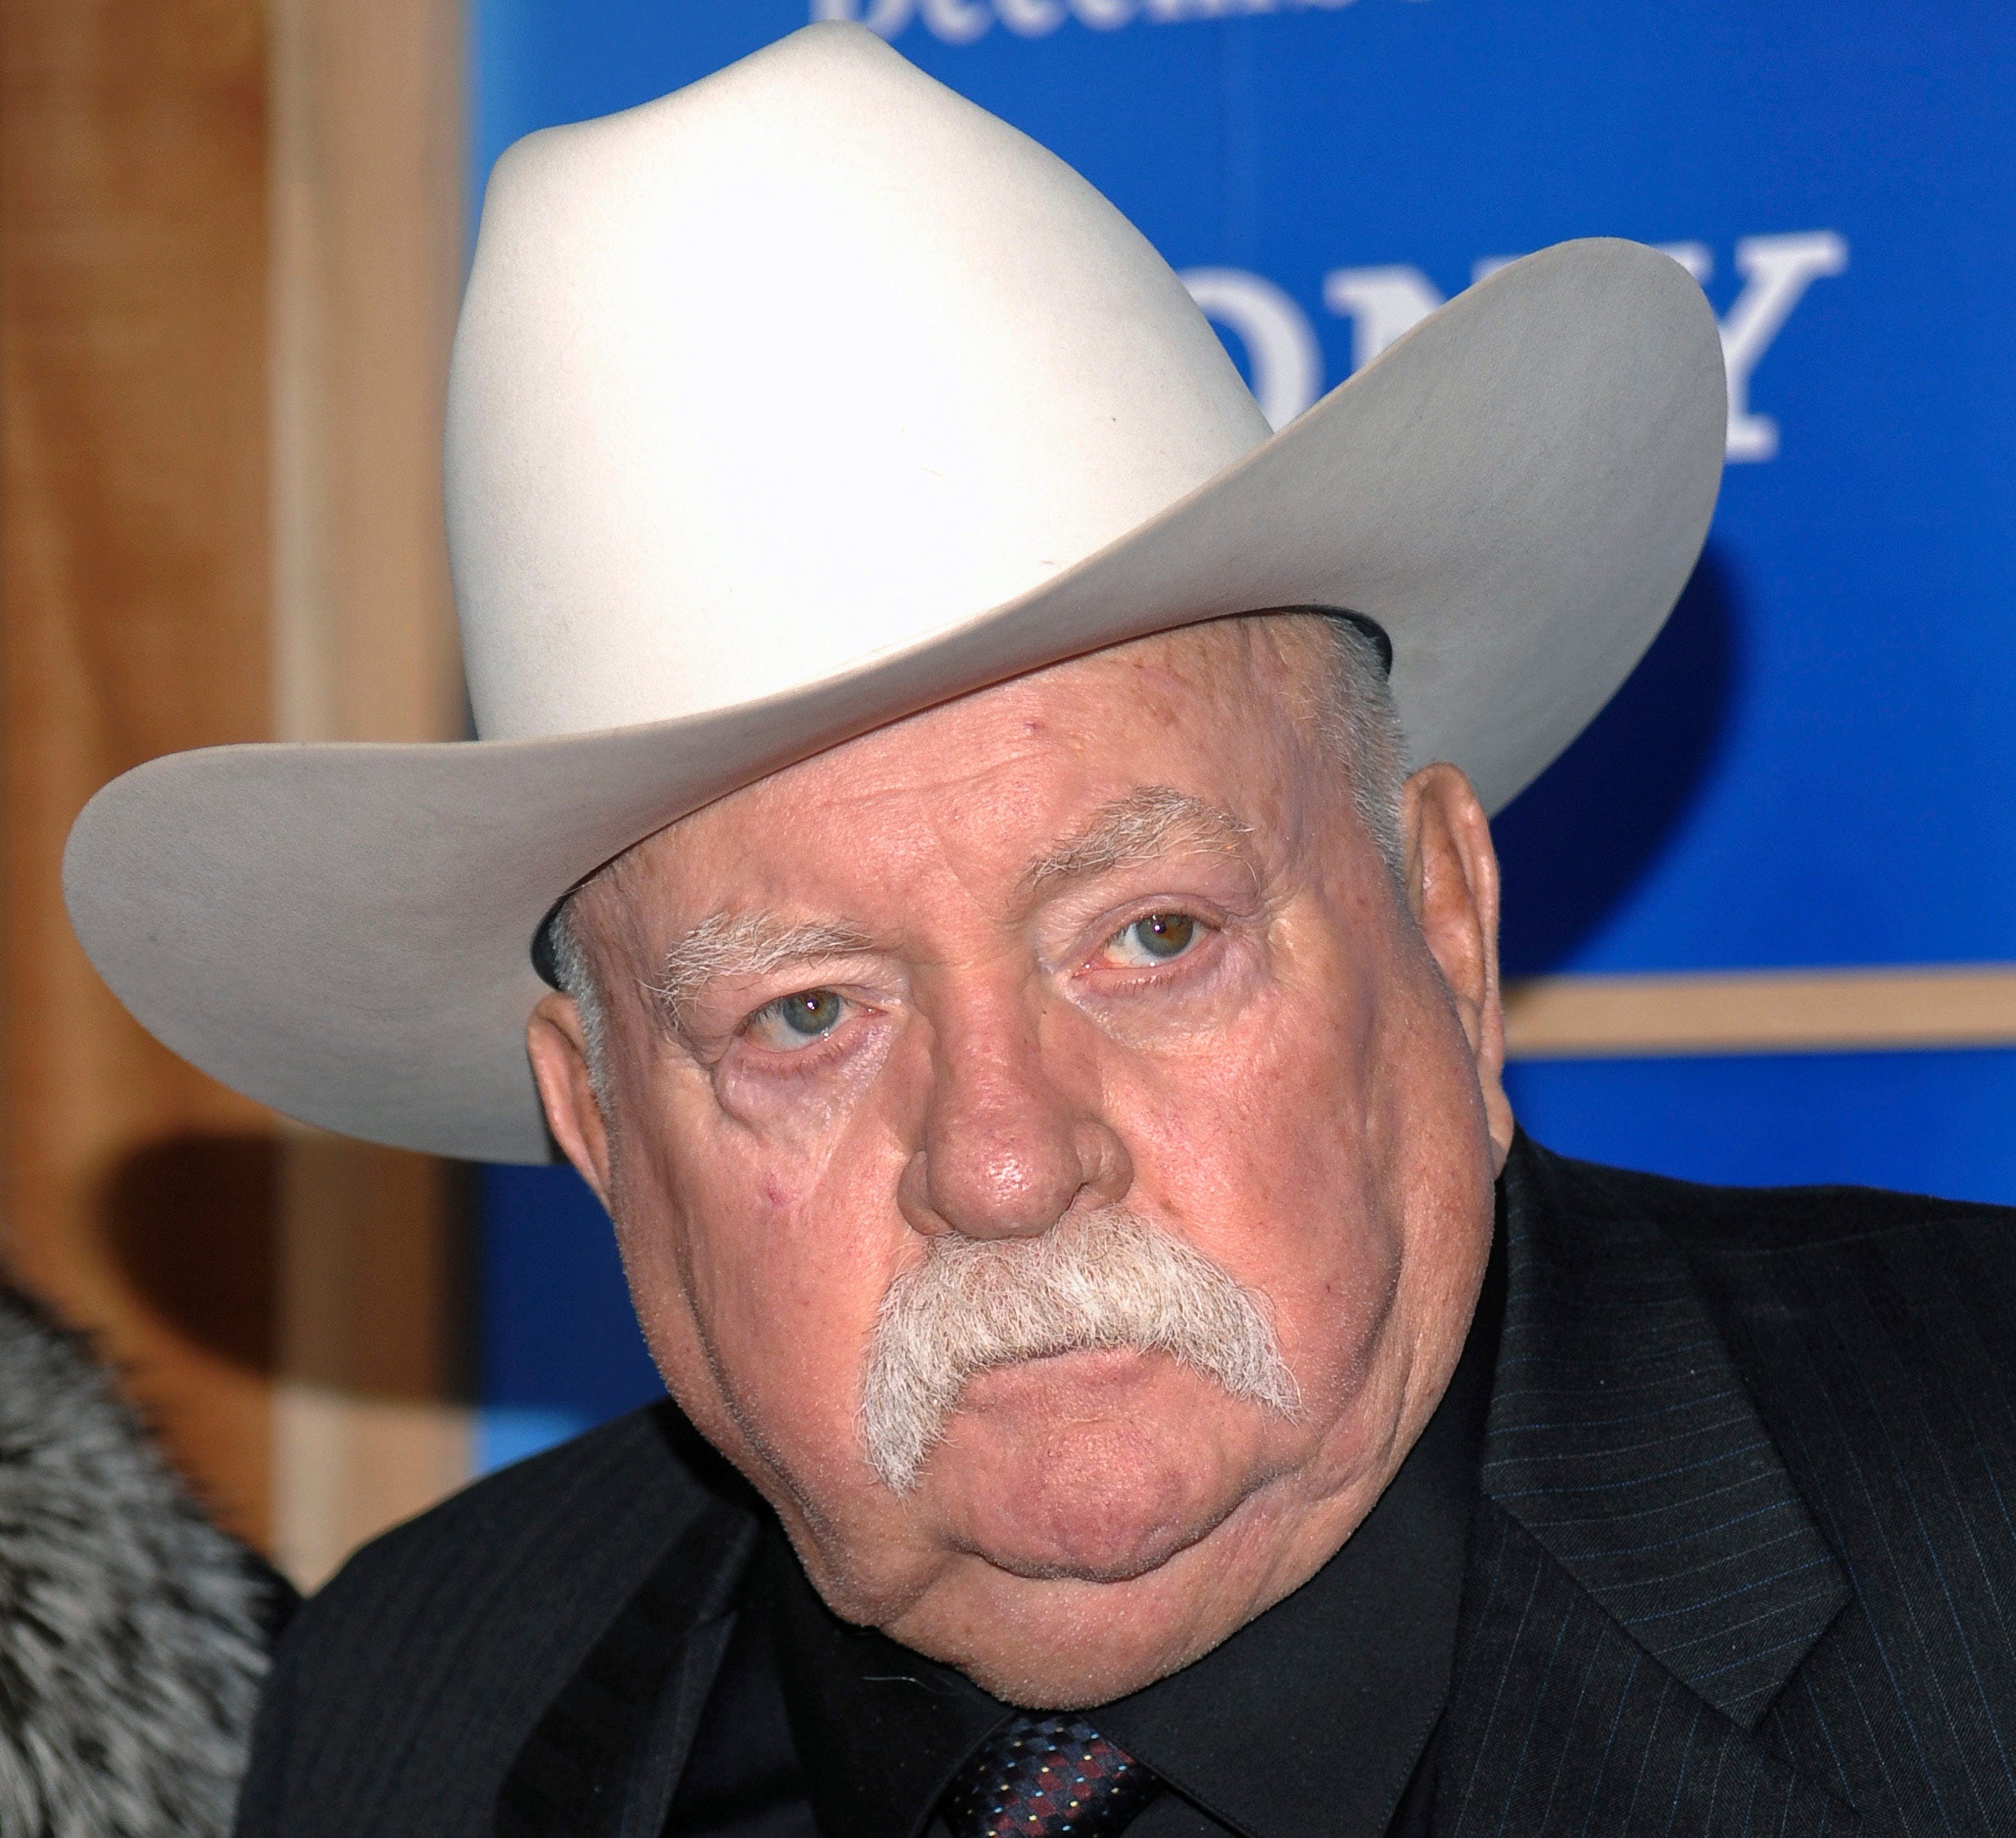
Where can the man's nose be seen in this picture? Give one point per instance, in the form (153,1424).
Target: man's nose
(1007,1150)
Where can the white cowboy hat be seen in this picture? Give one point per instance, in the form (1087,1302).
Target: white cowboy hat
(804,399)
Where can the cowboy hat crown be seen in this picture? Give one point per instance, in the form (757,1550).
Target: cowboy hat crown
(792,368)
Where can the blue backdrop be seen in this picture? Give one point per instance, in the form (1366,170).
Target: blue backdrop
(1811,766)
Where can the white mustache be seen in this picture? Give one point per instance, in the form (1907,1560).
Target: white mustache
(1100,1281)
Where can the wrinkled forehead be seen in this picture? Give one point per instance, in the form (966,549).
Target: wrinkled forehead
(1179,742)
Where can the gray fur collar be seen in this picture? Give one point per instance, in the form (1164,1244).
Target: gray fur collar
(131,1641)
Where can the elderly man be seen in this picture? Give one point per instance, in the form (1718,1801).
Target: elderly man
(1040,1047)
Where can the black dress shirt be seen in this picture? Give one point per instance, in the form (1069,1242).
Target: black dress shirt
(1317,1717)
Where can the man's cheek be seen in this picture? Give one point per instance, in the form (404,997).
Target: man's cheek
(762,1191)
(1282,1199)
(786,1282)
(760,1347)
(786,1353)
(1229,1142)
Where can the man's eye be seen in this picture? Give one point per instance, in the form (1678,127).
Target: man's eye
(800,1020)
(1154,939)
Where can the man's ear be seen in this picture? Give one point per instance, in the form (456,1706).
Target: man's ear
(558,1050)
(1452,886)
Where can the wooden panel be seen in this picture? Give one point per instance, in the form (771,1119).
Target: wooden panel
(230,249)
(367,239)
(1770,1011)
(367,265)
(368,1425)
(139,1195)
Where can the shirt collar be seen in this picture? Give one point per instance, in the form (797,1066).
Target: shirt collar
(1310,1717)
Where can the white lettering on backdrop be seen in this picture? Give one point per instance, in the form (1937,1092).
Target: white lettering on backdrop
(960,22)
(1283,356)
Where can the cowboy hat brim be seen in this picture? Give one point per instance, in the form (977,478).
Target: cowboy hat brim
(1515,492)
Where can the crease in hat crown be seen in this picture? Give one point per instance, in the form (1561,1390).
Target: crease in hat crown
(723,355)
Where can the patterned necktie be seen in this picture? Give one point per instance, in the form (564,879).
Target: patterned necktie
(1046,1777)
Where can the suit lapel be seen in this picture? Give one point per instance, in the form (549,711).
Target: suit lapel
(1643,1576)
(608,1755)
(1560,1723)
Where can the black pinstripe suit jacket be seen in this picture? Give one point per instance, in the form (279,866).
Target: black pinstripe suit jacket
(1744,1562)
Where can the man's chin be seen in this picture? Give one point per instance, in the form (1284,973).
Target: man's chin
(1112,1546)
(1057,1616)
(1085,1472)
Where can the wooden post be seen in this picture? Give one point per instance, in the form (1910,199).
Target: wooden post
(367,152)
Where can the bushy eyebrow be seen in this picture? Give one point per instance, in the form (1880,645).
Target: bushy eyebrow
(1146,824)
(743,944)
(1153,821)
